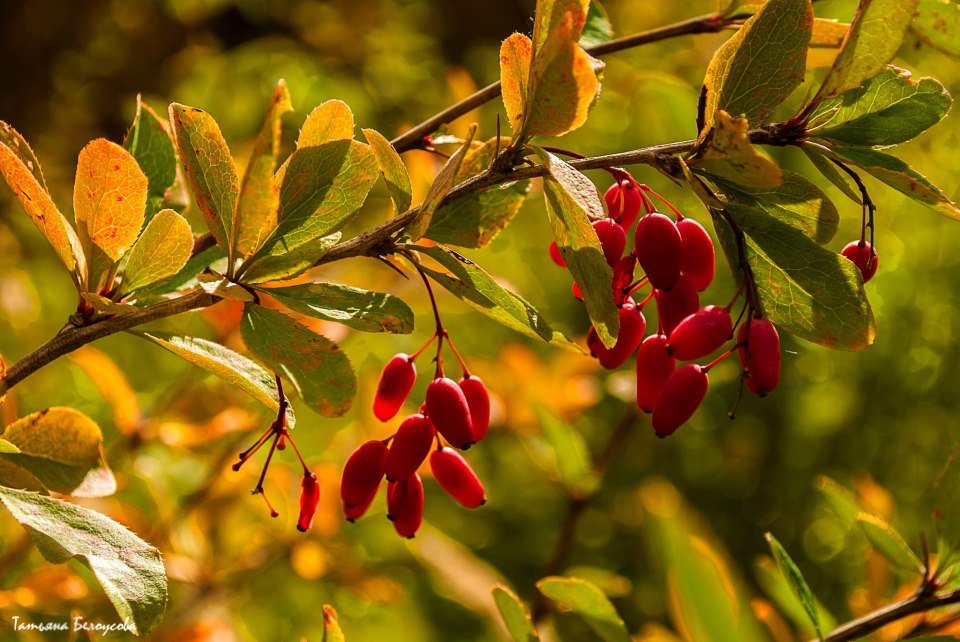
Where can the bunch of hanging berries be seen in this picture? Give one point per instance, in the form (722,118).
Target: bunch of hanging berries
(457,412)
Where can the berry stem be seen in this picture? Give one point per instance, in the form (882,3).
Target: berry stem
(676,212)
(723,356)
(440,332)
(463,364)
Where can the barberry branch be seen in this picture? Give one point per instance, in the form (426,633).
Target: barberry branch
(920,602)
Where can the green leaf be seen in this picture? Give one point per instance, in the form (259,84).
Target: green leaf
(597,29)
(570,452)
(804,288)
(293,261)
(259,196)
(209,168)
(468,282)
(761,64)
(937,24)
(876,33)
(393,170)
(331,626)
(572,203)
(889,108)
(515,615)
(792,573)
(444,181)
(730,154)
(317,367)
(796,202)
(900,176)
(234,368)
(889,543)
(18,146)
(358,309)
(150,143)
(162,250)
(130,571)
(783,595)
(58,446)
(212,257)
(475,220)
(589,602)
(830,171)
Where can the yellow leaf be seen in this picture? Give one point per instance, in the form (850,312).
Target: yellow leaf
(109,202)
(19,146)
(828,33)
(392,168)
(329,122)
(441,186)
(58,434)
(161,251)
(731,155)
(256,214)
(112,384)
(514,70)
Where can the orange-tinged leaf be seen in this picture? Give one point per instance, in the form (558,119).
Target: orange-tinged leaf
(730,155)
(112,384)
(329,122)
(109,203)
(161,251)
(256,214)
(41,209)
(392,167)
(514,69)
(828,33)
(19,146)
(209,168)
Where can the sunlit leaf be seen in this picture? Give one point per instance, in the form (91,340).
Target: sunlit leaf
(359,309)
(331,626)
(597,29)
(295,260)
(209,168)
(17,144)
(130,571)
(570,452)
(828,33)
(213,257)
(150,143)
(515,55)
(317,367)
(514,614)
(937,24)
(588,602)
(889,543)
(393,170)
(162,250)
(793,575)
(761,64)
(106,305)
(731,155)
(223,288)
(779,590)
(441,186)
(331,121)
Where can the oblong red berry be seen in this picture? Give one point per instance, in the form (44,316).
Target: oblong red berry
(658,247)
(613,240)
(697,256)
(410,447)
(353,513)
(556,256)
(396,382)
(681,395)
(309,498)
(405,505)
(455,476)
(760,357)
(449,411)
(478,400)
(677,303)
(860,253)
(655,364)
(363,473)
(623,201)
(701,333)
(632,327)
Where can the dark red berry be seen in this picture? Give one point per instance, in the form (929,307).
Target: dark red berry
(760,357)
(405,505)
(449,411)
(455,476)
(623,202)
(613,240)
(676,304)
(697,259)
(701,333)
(410,447)
(864,256)
(309,498)
(353,513)
(556,256)
(396,382)
(654,365)
(632,327)
(658,248)
(478,399)
(681,395)
(362,473)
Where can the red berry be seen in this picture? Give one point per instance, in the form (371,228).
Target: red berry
(353,513)
(658,248)
(681,395)
(760,357)
(623,277)
(701,333)
(654,365)
(309,498)
(455,476)
(697,258)
(396,382)
(478,399)
(864,256)
(623,202)
(632,327)
(556,256)
(449,411)
(676,304)
(362,473)
(405,505)
(410,447)
(613,240)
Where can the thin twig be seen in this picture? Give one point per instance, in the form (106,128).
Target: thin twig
(919,602)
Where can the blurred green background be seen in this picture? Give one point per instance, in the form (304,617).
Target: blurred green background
(881,421)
